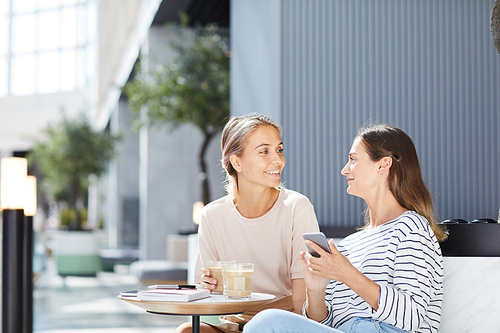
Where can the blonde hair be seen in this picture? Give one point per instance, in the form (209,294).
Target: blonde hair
(233,142)
(405,179)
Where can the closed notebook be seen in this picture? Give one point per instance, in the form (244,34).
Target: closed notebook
(173,295)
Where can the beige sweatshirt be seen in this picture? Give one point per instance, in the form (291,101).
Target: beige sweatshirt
(271,242)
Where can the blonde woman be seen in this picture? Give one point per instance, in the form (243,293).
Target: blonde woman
(387,277)
(258,221)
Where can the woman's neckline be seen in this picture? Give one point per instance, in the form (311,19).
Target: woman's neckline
(268,212)
(371,228)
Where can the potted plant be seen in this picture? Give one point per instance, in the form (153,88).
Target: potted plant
(70,153)
(192,88)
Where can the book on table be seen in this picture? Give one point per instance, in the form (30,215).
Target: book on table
(129,293)
(173,295)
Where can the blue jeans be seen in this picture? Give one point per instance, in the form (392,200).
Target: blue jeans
(274,321)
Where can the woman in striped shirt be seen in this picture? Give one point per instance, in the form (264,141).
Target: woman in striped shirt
(388,277)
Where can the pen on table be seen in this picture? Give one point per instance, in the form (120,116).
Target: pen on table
(172,286)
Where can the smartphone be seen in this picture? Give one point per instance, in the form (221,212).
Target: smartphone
(318,238)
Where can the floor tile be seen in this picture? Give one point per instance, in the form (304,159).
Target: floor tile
(90,305)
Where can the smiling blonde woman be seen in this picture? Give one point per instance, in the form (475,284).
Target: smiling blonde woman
(258,221)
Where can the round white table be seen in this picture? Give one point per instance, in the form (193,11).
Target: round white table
(213,305)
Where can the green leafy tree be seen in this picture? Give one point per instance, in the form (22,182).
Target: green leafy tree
(72,152)
(193,88)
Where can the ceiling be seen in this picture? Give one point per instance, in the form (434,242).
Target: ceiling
(199,11)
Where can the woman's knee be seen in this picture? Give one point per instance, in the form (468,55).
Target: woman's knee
(204,328)
(270,320)
(184,328)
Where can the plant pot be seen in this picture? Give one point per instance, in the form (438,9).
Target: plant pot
(76,253)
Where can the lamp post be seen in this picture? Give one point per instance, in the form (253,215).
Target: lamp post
(13,190)
(197,207)
(30,207)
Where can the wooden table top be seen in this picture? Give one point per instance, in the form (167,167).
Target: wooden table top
(215,304)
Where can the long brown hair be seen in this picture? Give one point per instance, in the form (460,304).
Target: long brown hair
(405,178)
(233,142)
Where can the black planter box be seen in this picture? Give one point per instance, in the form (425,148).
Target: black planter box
(472,240)
(464,240)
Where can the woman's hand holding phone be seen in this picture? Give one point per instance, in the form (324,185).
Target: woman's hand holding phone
(316,281)
(331,264)
(316,243)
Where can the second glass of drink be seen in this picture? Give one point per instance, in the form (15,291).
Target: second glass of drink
(237,280)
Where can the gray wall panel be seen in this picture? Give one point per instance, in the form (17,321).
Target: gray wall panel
(428,67)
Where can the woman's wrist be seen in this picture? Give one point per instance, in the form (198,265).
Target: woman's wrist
(315,295)
(315,306)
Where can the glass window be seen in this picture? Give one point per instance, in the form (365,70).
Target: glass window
(80,74)
(3,76)
(92,21)
(48,72)
(49,30)
(91,61)
(52,45)
(68,70)
(23,34)
(68,2)
(23,75)
(81,27)
(4,7)
(68,27)
(4,35)
(23,6)
(45,4)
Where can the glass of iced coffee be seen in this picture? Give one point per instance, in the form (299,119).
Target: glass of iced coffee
(215,268)
(237,280)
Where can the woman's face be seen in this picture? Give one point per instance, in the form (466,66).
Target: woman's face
(262,160)
(360,171)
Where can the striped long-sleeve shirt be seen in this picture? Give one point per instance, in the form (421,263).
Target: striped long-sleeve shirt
(404,258)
